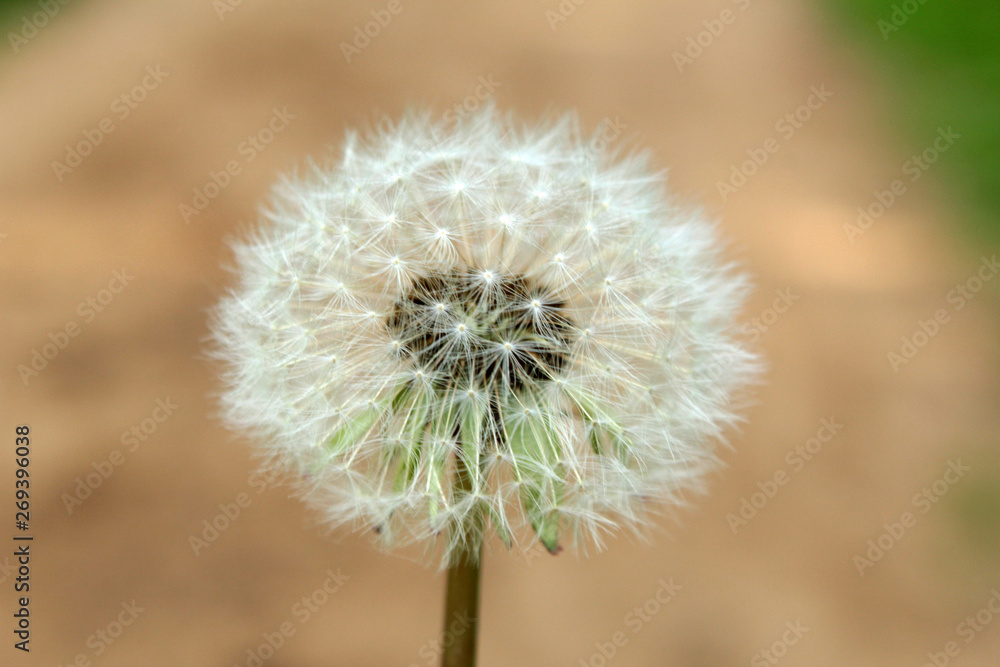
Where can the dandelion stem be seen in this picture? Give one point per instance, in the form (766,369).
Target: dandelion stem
(461,616)
(461,613)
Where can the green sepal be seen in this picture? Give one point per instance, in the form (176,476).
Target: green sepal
(601,423)
(536,444)
(499,526)
(414,427)
(354,428)
(435,472)
(471,427)
(545,524)
(440,423)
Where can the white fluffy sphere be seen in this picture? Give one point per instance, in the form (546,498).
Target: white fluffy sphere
(472,326)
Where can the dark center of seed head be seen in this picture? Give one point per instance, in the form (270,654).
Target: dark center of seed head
(496,332)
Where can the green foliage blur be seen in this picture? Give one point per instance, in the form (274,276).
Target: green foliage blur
(940,61)
(16,32)
(11,12)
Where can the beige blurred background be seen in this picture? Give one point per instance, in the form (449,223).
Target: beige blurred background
(205,83)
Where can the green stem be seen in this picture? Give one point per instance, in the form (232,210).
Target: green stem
(461,615)
(461,612)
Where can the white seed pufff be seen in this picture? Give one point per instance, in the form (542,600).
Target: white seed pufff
(512,300)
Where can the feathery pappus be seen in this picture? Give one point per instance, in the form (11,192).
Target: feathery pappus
(475,326)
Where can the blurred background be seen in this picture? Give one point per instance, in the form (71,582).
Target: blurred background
(849,149)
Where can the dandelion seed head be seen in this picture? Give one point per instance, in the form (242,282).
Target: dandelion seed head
(475,327)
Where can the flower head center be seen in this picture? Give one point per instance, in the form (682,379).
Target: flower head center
(504,333)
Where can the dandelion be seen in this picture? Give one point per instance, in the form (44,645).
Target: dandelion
(475,328)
